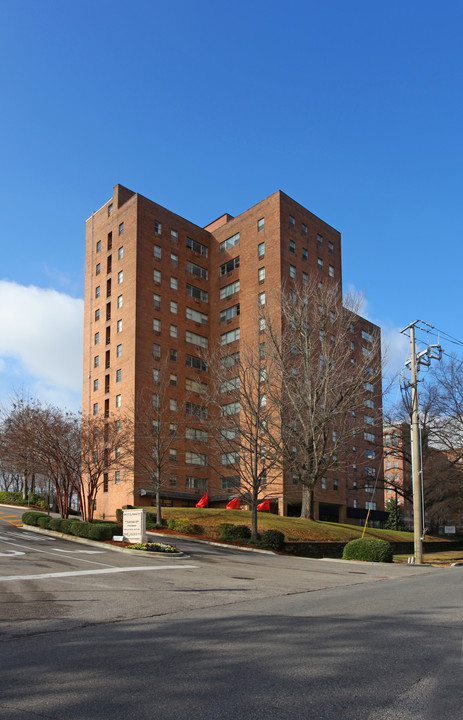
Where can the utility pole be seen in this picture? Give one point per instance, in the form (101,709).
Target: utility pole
(417,509)
(417,359)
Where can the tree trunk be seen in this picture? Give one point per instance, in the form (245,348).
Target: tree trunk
(254,519)
(158,506)
(307,508)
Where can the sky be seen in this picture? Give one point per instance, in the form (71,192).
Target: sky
(351,107)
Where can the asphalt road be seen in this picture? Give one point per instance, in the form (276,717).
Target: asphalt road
(222,634)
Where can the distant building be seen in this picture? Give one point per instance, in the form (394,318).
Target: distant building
(160,288)
(398,469)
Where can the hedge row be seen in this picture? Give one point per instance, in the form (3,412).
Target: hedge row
(72,526)
(12,498)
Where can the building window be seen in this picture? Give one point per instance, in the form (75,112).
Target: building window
(197,293)
(173,331)
(117,477)
(304,229)
(229,458)
(262,324)
(173,379)
(156,325)
(323,483)
(197,247)
(193,458)
(119,326)
(369,505)
(232,408)
(95,408)
(156,376)
(196,270)
(172,480)
(367,336)
(120,253)
(120,277)
(260,224)
(172,455)
(330,246)
(261,299)
(230,242)
(157,301)
(97,291)
(292,222)
(228,290)
(156,350)
(110,209)
(230,385)
(320,264)
(96,361)
(173,307)
(292,246)
(157,252)
(119,301)
(319,240)
(369,436)
(173,404)
(261,250)
(97,315)
(230,266)
(95,385)
(174,236)
(305,278)
(157,276)
(98,268)
(173,355)
(121,228)
(230,312)
(261,274)
(157,227)
(196,316)
(174,283)
(331,271)
(174,259)
(192,483)
(118,375)
(118,401)
(196,363)
(335,484)
(97,338)
(196,339)
(98,246)
(196,410)
(292,272)
(230,336)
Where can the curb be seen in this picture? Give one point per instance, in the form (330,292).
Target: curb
(101,544)
(213,543)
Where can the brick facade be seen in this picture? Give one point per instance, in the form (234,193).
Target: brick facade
(170,269)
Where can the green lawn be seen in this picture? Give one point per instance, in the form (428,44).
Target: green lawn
(294,529)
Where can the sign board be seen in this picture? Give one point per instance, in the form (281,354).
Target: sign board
(134,526)
(449,529)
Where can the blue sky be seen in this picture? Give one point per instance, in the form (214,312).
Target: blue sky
(352,107)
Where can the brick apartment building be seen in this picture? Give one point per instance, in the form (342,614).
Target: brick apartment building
(398,469)
(160,288)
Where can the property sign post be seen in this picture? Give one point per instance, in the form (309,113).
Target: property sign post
(134,526)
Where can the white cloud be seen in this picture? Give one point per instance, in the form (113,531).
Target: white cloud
(41,332)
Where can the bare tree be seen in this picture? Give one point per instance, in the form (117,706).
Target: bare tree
(322,383)
(18,440)
(240,419)
(157,427)
(95,447)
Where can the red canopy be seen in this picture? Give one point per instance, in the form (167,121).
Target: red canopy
(234,504)
(203,502)
(264,505)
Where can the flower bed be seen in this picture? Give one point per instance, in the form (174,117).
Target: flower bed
(153,547)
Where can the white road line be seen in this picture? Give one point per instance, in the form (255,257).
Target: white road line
(85,552)
(10,553)
(104,571)
(55,554)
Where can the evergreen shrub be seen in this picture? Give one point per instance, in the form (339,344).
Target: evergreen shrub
(12,498)
(368,549)
(30,517)
(183,525)
(231,533)
(273,539)
(56,524)
(44,521)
